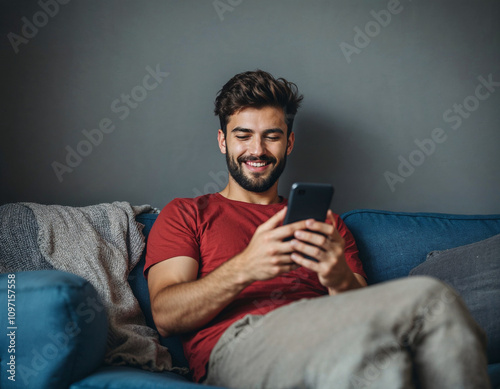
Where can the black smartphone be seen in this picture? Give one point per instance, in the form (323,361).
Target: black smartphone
(308,201)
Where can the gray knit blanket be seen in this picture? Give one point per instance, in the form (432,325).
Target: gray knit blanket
(101,243)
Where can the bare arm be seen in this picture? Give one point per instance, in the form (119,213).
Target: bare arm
(181,303)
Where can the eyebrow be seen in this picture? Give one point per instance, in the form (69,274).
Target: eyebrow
(248,130)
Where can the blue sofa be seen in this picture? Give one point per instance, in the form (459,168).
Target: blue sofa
(59,327)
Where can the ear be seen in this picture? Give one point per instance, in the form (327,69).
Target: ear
(290,143)
(221,139)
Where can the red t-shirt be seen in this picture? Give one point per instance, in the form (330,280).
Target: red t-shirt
(212,229)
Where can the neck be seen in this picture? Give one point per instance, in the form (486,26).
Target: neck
(235,192)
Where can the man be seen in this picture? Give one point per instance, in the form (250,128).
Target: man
(254,312)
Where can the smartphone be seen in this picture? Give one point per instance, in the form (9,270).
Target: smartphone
(308,201)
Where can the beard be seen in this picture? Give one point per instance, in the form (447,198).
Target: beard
(255,182)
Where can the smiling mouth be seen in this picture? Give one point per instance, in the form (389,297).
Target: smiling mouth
(257,164)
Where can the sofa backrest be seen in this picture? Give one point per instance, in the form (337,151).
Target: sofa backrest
(139,286)
(392,243)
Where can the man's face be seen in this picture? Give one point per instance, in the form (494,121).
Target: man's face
(256,147)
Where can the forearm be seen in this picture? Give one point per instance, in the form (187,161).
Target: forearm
(188,306)
(183,305)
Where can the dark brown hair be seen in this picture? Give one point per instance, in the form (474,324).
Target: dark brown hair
(257,89)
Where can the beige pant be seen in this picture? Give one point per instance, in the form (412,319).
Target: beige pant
(408,333)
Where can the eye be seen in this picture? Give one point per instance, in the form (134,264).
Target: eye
(242,137)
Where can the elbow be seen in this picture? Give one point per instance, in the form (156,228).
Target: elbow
(160,321)
(163,333)
(165,329)
(166,325)
(162,327)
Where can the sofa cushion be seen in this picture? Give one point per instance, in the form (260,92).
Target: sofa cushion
(392,243)
(121,377)
(474,271)
(494,373)
(59,329)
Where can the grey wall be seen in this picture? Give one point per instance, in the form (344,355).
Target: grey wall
(362,115)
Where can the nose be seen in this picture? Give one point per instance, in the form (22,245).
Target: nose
(256,146)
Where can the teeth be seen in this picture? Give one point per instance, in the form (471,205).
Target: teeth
(257,164)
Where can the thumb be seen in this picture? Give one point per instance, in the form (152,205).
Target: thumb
(335,235)
(275,220)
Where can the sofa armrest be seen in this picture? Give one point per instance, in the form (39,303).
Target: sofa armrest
(56,329)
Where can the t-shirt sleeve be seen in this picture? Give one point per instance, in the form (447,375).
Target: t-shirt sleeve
(350,250)
(173,234)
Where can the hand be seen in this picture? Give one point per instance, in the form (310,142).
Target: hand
(268,255)
(323,242)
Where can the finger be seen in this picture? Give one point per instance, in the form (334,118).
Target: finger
(288,230)
(335,235)
(304,262)
(313,238)
(329,216)
(321,227)
(275,220)
(308,250)
(286,247)
(285,263)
